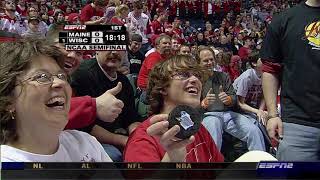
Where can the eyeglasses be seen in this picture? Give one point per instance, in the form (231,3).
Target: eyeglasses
(183,75)
(48,78)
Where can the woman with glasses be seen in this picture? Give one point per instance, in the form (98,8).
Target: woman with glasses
(176,81)
(34,104)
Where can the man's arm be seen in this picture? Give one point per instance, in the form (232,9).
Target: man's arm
(270,86)
(106,137)
(82,112)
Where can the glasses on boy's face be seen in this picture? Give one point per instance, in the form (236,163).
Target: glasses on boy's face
(183,75)
(48,78)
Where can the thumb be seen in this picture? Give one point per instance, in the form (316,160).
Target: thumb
(114,91)
(221,89)
(210,91)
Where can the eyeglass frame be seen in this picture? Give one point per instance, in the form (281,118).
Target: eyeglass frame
(37,77)
(190,74)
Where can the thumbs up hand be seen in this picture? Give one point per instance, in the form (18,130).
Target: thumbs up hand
(226,100)
(209,99)
(108,106)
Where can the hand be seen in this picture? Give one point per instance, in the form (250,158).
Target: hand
(224,97)
(175,149)
(262,116)
(101,20)
(108,106)
(275,128)
(210,98)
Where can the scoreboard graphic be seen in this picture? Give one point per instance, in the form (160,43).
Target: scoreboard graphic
(94,38)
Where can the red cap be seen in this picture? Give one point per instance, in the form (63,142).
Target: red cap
(72,17)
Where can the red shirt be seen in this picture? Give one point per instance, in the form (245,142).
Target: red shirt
(116,21)
(157,27)
(87,12)
(5,16)
(244,53)
(144,148)
(146,67)
(20,11)
(82,112)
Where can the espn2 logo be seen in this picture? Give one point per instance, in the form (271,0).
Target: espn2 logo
(274,165)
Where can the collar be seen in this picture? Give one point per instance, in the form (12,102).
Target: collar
(106,74)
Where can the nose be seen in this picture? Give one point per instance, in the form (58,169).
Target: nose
(59,83)
(193,78)
(72,54)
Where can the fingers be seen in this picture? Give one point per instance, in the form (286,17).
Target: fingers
(158,118)
(272,132)
(114,91)
(182,143)
(158,128)
(169,135)
(159,124)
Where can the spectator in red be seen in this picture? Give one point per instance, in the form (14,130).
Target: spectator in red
(122,12)
(163,51)
(244,52)
(55,8)
(177,31)
(170,85)
(226,7)
(237,6)
(234,67)
(93,13)
(208,10)
(22,8)
(173,11)
(181,13)
(218,10)
(158,24)
(74,18)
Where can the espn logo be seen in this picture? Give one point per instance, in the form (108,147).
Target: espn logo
(275,165)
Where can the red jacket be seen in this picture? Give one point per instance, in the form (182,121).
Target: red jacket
(206,8)
(87,12)
(146,67)
(157,27)
(144,148)
(82,112)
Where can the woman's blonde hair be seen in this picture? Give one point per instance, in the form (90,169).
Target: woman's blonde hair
(120,9)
